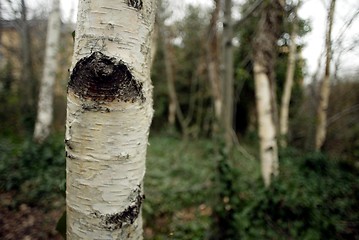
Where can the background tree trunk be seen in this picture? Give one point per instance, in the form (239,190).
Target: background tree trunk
(1,9)
(170,79)
(109,111)
(28,85)
(325,86)
(213,60)
(45,102)
(174,109)
(284,110)
(227,87)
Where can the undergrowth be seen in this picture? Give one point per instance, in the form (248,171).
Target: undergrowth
(314,197)
(35,173)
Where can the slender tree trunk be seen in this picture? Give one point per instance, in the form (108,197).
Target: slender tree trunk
(264,57)
(27,86)
(224,217)
(172,106)
(227,87)
(288,85)
(45,102)
(321,130)
(313,98)
(266,126)
(213,60)
(109,111)
(1,27)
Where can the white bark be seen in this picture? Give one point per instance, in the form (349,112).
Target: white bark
(321,130)
(108,117)
(263,67)
(45,103)
(288,85)
(267,129)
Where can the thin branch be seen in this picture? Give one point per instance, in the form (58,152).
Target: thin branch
(246,15)
(339,115)
(240,148)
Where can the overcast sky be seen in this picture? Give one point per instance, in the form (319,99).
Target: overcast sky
(314,10)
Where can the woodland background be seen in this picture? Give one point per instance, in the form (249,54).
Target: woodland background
(195,188)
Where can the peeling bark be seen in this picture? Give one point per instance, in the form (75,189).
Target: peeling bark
(109,111)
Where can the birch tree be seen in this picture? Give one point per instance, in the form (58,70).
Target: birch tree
(263,66)
(45,103)
(288,85)
(109,111)
(325,85)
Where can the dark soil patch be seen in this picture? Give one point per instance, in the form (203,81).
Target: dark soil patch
(27,222)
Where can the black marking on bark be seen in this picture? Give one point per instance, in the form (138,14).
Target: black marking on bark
(68,144)
(127,216)
(123,156)
(135,4)
(102,78)
(95,107)
(68,155)
(269,149)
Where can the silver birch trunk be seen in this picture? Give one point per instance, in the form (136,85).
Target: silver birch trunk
(321,130)
(109,111)
(288,85)
(264,58)
(45,103)
(227,87)
(266,126)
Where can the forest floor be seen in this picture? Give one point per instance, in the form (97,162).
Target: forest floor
(26,222)
(182,189)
